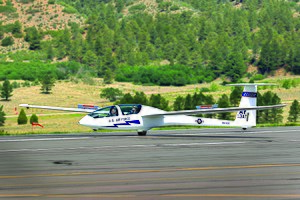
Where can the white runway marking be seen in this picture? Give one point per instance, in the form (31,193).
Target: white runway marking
(210,143)
(128,146)
(282,131)
(44,139)
(236,131)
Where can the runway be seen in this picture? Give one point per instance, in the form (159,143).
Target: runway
(260,163)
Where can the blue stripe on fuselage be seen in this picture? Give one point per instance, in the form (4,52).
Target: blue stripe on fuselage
(126,123)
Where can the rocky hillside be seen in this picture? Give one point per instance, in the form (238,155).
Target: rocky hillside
(46,15)
(164,42)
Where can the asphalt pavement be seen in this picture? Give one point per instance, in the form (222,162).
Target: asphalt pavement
(260,163)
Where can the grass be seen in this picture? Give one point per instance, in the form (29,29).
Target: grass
(69,94)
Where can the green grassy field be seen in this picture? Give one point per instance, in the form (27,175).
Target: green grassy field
(69,94)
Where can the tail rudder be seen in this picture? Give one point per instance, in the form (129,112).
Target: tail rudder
(247,118)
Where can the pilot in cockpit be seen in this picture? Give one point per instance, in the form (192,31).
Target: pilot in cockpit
(134,110)
(113,112)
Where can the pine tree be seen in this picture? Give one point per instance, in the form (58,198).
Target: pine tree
(294,111)
(140,98)
(7,90)
(17,28)
(269,115)
(111,94)
(22,118)
(209,100)
(223,102)
(47,81)
(235,96)
(188,105)
(126,99)
(276,113)
(34,119)
(159,102)
(259,113)
(50,52)
(33,37)
(7,41)
(108,76)
(178,103)
(2,116)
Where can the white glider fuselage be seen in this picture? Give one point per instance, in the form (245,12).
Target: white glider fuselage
(147,118)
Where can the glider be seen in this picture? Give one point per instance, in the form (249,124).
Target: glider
(142,118)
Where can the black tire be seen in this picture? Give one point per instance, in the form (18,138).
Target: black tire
(244,129)
(142,133)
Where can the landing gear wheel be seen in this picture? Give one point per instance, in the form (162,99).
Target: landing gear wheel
(142,133)
(244,129)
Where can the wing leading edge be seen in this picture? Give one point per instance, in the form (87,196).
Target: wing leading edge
(58,108)
(216,110)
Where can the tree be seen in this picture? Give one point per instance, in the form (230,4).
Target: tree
(33,37)
(294,111)
(50,52)
(108,76)
(22,118)
(158,101)
(188,105)
(269,115)
(2,116)
(47,81)
(90,58)
(276,114)
(112,94)
(7,41)
(34,119)
(140,98)
(178,103)
(223,102)
(126,99)
(17,28)
(235,95)
(6,90)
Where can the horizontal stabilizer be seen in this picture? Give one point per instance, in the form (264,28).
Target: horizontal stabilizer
(58,108)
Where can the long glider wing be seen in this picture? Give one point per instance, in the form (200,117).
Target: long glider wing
(58,108)
(216,110)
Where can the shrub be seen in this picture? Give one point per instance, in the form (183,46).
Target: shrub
(2,116)
(7,9)
(257,77)
(7,41)
(287,84)
(204,89)
(15,84)
(22,118)
(214,87)
(34,118)
(112,94)
(51,1)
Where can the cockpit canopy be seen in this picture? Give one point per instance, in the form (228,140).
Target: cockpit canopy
(111,111)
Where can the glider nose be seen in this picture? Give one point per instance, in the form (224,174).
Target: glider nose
(86,121)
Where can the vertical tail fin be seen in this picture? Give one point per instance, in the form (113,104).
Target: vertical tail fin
(247,118)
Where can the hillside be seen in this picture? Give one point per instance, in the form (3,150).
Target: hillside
(46,15)
(161,42)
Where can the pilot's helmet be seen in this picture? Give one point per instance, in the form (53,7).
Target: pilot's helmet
(134,109)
